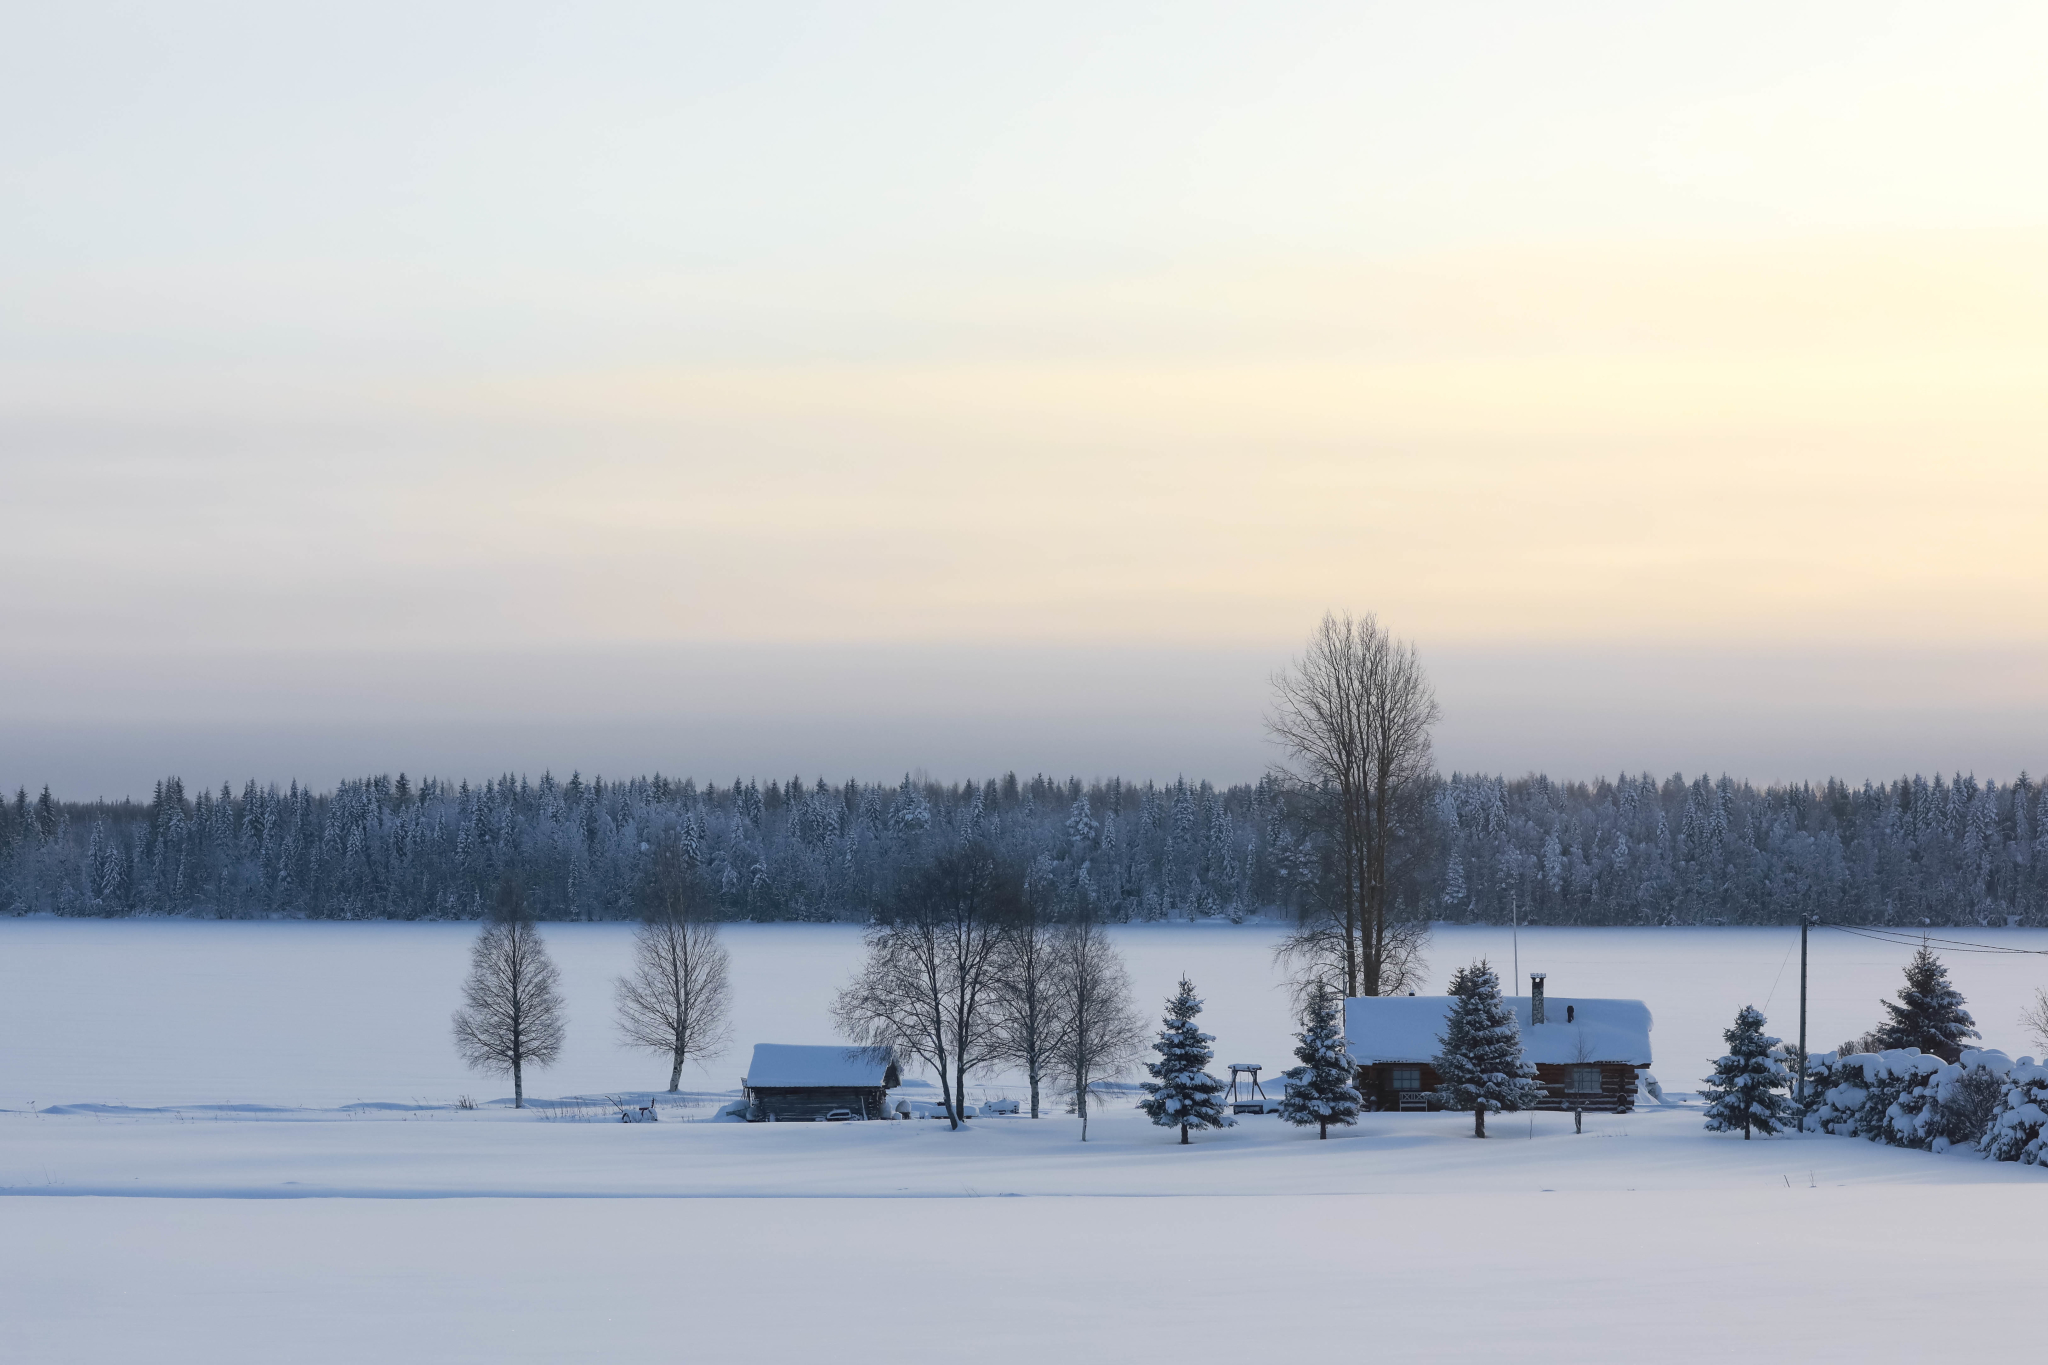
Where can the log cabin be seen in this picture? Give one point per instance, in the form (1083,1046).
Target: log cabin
(788,1083)
(1587,1051)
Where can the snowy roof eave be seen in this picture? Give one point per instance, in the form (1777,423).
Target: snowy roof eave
(796,1066)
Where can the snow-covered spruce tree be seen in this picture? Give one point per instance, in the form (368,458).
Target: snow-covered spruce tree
(1747,1089)
(1319,1091)
(1929,1015)
(1182,1094)
(1481,1064)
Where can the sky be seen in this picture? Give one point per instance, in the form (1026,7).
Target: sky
(861,389)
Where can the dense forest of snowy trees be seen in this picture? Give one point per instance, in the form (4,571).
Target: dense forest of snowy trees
(1632,851)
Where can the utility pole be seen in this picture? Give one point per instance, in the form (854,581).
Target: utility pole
(1805,922)
(1515,928)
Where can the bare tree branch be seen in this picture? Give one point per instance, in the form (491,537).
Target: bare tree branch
(929,984)
(1031,1021)
(1103,1035)
(1354,713)
(677,999)
(511,1014)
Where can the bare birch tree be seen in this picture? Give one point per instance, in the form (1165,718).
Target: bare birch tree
(511,1015)
(1101,1033)
(928,987)
(676,1001)
(1031,1019)
(2034,1018)
(1354,714)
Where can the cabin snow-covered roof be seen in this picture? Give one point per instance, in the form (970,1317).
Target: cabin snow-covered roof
(792,1065)
(1407,1028)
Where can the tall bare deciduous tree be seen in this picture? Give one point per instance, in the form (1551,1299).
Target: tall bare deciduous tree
(2034,1018)
(928,988)
(1102,1034)
(1354,713)
(676,1000)
(1031,1016)
(511,1015)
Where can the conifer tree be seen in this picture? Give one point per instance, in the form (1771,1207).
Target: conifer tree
(1481,1064)
(1319,1091)
(1747,1088)
(1930,1013)
(1182,1094)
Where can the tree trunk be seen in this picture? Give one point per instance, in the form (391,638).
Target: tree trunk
(1183,1135)
(1479,1121)
(675,1075)
(1324,1132)
(518,1087)
(1034,1090)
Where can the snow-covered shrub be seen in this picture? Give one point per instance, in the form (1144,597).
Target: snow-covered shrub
(1905,1097)
(1890,1111)
(1951,1105)
(1968,1095)
(1825,1110)
(1858,1095)
(2019,1130)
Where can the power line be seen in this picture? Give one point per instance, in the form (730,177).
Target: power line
(1905,938)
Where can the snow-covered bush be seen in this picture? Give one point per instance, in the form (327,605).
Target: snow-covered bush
(1969,1094)
(1905,1097)
(2019,1130)
(1831,1099)
(1893,1102)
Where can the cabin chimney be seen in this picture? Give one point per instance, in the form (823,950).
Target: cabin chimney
(1536,997)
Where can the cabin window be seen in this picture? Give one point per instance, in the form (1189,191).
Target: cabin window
(1405,1078)
(1585,1080)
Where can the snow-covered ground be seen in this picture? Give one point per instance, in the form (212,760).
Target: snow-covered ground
(190,1183)
(493,1237)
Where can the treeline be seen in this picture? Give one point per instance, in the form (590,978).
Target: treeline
(1469,849)
(1637,851)
(379,848)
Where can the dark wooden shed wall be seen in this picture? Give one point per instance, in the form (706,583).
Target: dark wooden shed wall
(800,1104)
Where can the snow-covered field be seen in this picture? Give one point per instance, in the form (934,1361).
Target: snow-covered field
(179,1012)
(146,1221)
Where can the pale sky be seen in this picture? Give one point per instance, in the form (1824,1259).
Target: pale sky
(858,388)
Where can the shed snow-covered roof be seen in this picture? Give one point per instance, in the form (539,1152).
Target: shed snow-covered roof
(790,1064)
(1406,1028)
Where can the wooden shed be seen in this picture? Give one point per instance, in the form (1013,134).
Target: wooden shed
(789,1083)
(1587,1051)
